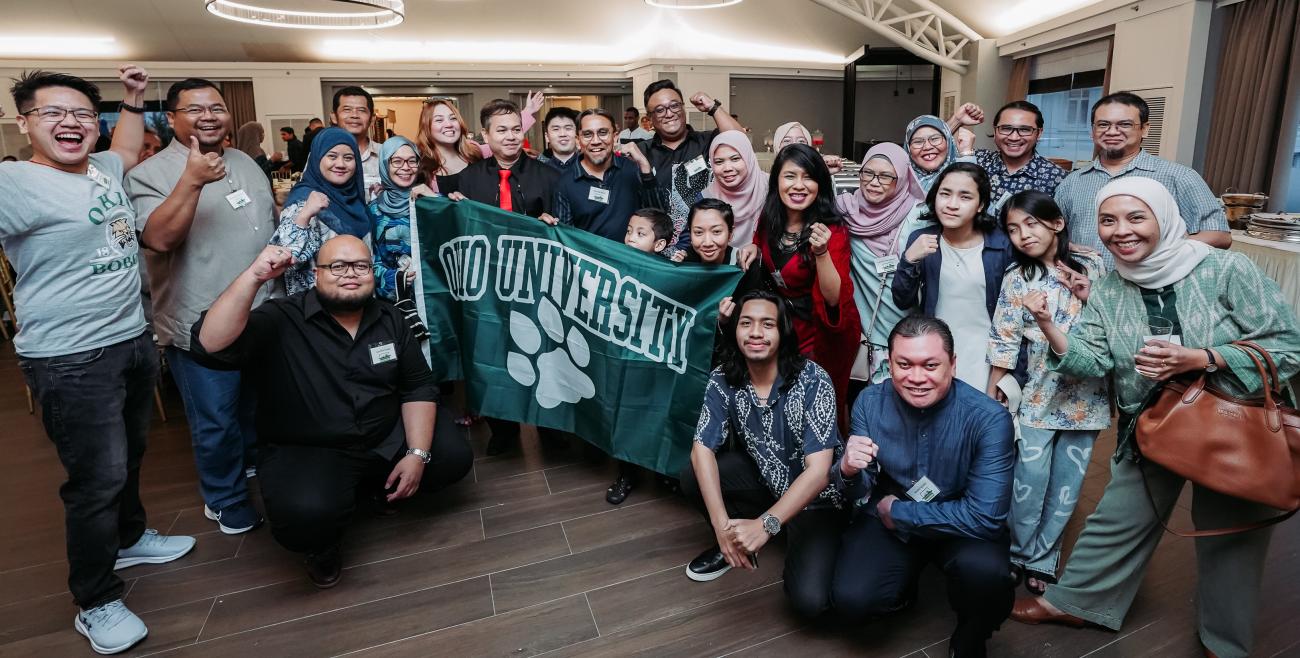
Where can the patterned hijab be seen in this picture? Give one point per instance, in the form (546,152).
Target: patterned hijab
(394,200)
(346,214)
(1175,255)
(926,178)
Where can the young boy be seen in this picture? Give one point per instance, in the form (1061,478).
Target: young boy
(649,230)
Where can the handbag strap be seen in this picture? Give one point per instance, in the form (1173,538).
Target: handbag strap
(875,308)
(1215,532)
(1273,382)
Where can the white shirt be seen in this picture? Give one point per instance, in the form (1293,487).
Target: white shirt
(630,135)
(370,167)
(961,305)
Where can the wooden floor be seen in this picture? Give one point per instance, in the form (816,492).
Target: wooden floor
(523,558)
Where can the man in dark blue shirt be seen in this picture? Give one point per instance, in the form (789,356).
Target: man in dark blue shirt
(929,468)
(599,193)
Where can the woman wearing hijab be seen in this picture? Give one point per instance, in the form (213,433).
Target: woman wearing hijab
(738,181)
(399,167)
(790,133)
(330,200)
(249,140)
(878,216)
(931,148)
(1212,298)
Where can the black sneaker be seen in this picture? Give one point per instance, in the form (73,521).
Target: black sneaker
(325,568)
(617,492)
(706,566)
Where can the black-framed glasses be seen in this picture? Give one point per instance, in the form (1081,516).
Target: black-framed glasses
(867,176)
(932,140)
(1122,126)
(588,135)
(55,114)
(408,163)
(196,111)
(664,110)
(342,267)
(1006,130)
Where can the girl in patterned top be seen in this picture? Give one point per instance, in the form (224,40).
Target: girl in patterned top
(1059,416)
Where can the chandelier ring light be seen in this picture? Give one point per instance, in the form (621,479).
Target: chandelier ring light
(371,14)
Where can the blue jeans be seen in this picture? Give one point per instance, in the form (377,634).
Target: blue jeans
(220,410)
(96,406)
(1049,472)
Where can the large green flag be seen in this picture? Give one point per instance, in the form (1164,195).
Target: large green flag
(560,328)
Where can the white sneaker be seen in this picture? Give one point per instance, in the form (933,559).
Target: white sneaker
(111,628)
(153,548)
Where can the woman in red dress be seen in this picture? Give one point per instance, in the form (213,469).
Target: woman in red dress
(805,247)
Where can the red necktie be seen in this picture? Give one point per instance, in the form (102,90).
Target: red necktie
(504,190)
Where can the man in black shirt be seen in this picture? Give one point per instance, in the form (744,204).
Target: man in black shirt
(600,193)
(294,147)
(530,185)
(560,127)
(679,153)
(336,369)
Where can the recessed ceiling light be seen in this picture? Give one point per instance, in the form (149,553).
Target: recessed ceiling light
(691,4)
(60,46)
(387,14)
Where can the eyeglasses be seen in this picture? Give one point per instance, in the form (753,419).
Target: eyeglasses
(664,110)
(932,140)
(342,267)
(353,110)
(885,179)
(55,114)
(1007,130)
(408,163)
(1122,126)
(588,135)
(196,111)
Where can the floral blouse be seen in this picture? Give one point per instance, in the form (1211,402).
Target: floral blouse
(303,243)
(1049,400)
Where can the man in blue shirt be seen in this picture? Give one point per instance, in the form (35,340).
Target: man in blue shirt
(599,193)
(929,467)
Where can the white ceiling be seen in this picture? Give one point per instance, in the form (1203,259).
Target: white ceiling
(559,31)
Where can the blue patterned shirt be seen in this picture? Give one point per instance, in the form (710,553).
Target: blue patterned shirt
(798,422)
(1077,197)
(1037,174)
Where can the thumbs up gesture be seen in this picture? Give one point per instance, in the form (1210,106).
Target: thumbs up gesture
(203,168)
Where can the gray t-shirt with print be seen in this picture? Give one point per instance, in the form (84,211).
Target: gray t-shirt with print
(72,239)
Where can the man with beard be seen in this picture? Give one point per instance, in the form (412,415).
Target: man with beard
(560,128)
(601,192)
(1119,124)
(1016,165)
(204,210)
(336,370)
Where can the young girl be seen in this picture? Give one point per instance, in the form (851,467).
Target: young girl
(953,269)
(1059,416)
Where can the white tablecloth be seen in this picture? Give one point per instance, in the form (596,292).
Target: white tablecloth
(1279,260)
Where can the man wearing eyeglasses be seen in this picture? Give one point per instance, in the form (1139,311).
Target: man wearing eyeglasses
(600,194)
(347,405)
(1119,124)
(69,229)
(678,153)
(1016,165)
(204,211)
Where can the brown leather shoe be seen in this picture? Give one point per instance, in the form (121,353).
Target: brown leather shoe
(1029,611)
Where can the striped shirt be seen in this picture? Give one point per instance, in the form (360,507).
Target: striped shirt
(1077,197)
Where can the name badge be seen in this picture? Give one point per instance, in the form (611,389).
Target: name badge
(382,353)
(886,264)
(597,194)
(923,491)
(695,166)
(1174,338)
(238,199)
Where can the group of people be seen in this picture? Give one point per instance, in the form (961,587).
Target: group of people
(912,373)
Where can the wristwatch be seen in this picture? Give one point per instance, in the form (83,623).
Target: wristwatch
(771,524)
(422,454)
(716,104)
(1210,365)
(127,107)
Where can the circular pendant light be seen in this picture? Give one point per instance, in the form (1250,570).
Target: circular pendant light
(692,4)
(369,15)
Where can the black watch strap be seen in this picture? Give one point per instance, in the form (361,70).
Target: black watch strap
(127,107)
(716,105)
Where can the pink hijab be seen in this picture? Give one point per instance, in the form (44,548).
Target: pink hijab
(784,129)
(747,198)
(876,223)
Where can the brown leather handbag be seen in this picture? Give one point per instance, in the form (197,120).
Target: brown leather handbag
(1248,449)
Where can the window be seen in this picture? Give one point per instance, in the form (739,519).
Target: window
(1066,102)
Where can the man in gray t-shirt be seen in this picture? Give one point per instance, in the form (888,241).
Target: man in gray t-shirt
(204,213)
(69,230)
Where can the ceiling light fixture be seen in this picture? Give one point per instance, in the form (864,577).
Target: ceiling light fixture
(58,46)
(387,14)
(691,4)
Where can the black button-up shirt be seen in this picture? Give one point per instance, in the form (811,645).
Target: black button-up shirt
(532,185)
(316,384)
(624,190)
(678,187)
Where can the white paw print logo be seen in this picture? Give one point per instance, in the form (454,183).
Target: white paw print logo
(558,373)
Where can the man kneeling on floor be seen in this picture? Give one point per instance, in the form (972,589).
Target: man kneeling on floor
(780,407)
(336,369)
(928,462)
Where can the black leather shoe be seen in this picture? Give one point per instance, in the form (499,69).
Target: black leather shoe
(706,566)
(617,492)
(325,568)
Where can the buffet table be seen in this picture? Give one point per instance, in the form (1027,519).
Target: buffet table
(1279,260)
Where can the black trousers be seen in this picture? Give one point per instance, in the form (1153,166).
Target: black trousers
(812,537)
(96,406)
(311,492)
(877,573)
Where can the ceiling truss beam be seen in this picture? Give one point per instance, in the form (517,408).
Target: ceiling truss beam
(919,26)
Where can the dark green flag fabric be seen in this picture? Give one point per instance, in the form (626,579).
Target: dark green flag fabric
(561,328)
